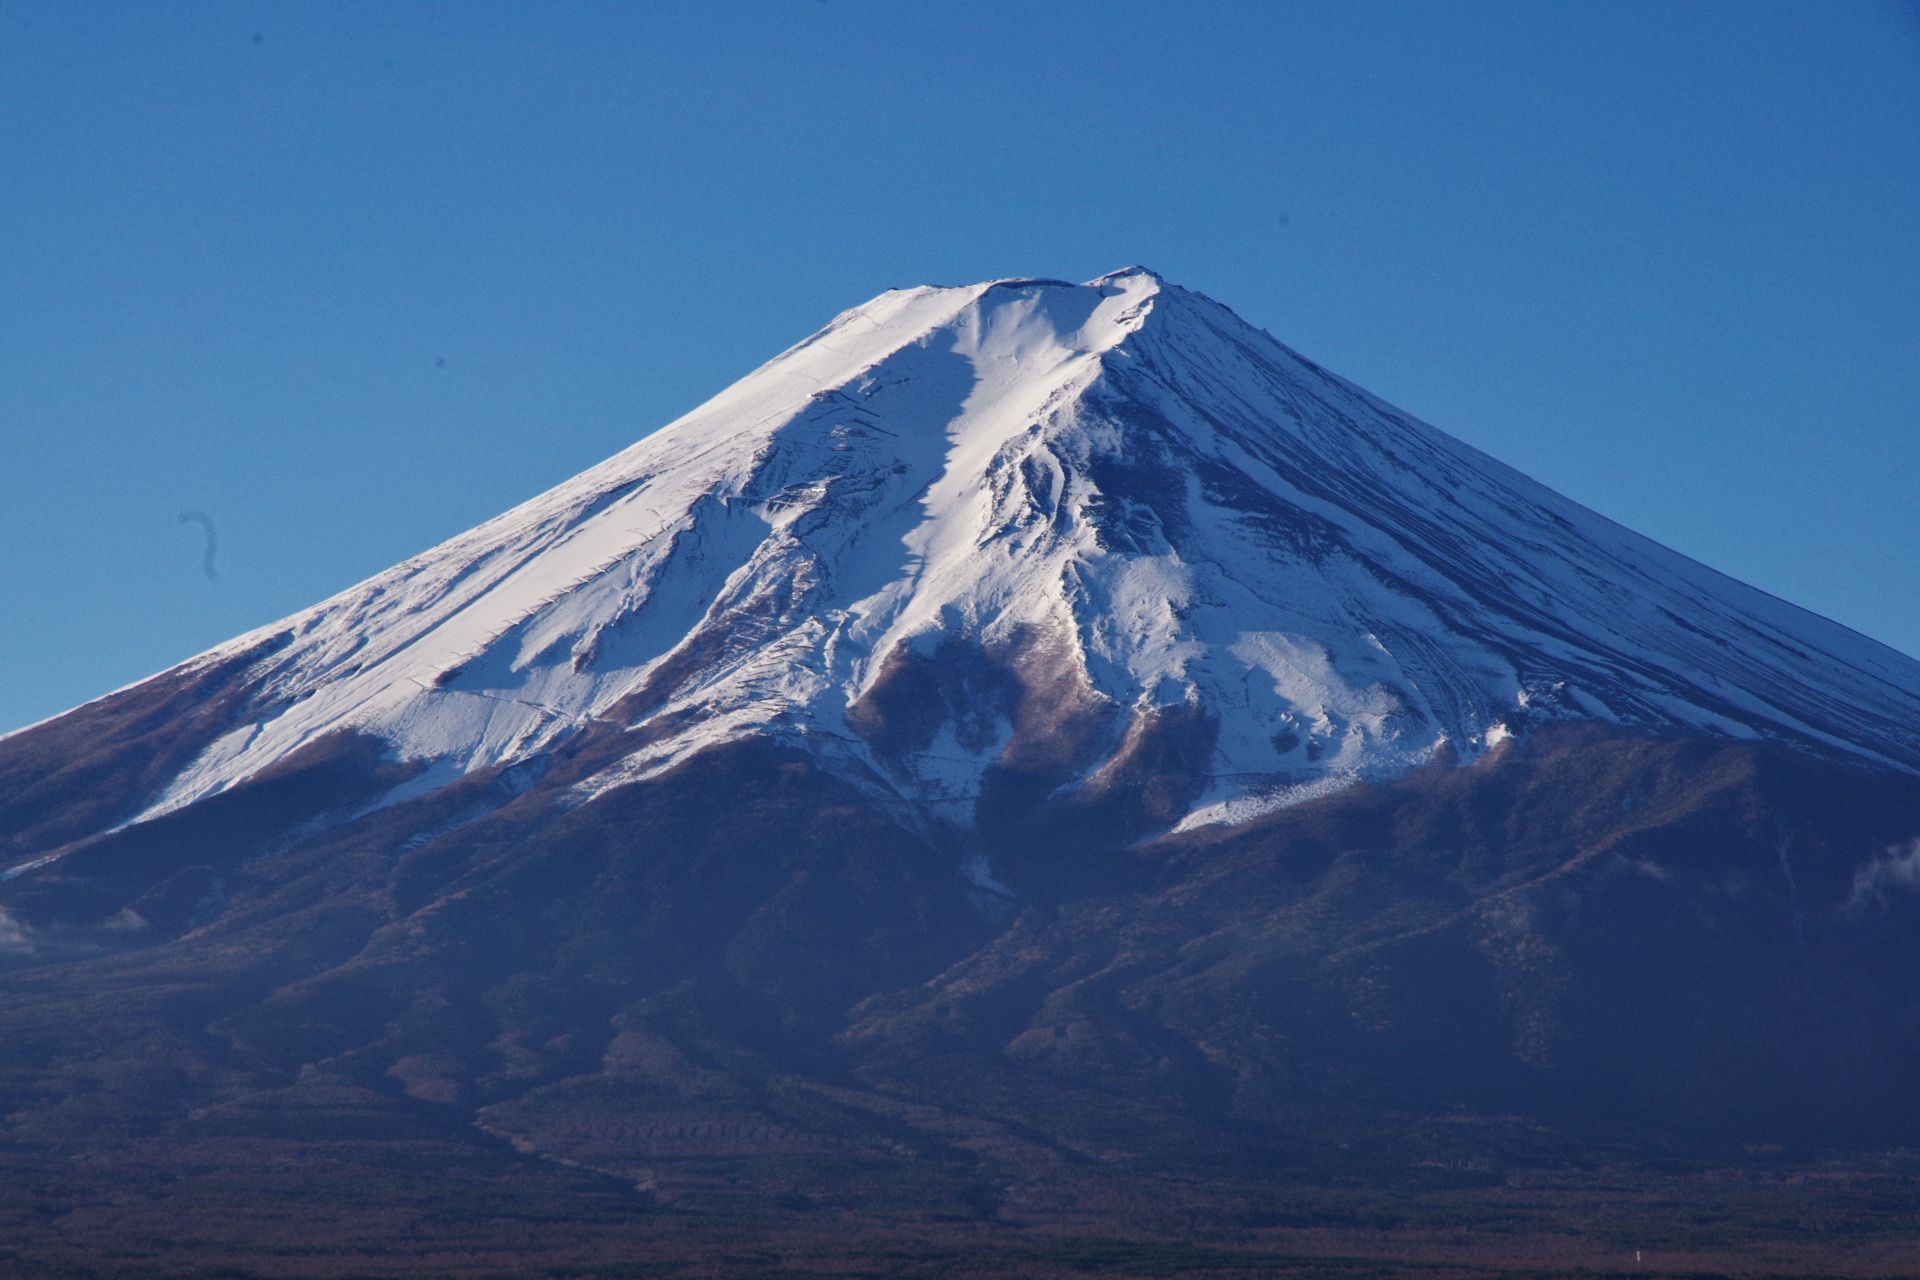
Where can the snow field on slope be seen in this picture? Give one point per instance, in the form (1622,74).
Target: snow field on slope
(1194,515)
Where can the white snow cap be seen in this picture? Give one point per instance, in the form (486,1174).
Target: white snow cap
(1169,507)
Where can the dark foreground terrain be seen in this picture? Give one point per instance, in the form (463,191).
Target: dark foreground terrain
(431,1208)
(1601,995)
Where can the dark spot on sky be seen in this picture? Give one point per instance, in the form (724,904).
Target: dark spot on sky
(257,37)
(205,521)
(439,362)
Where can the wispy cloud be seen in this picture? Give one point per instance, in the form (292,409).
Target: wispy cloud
(1898,869)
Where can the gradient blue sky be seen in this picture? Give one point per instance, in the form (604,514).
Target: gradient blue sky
(351,277)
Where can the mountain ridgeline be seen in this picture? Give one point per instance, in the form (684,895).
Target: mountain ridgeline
(1024,734)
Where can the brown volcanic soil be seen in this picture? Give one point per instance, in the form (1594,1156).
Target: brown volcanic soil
(1603,992)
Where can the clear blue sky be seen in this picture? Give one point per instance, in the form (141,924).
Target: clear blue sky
(351,277)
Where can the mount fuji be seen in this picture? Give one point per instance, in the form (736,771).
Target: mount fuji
(1022,725)
(1034,525)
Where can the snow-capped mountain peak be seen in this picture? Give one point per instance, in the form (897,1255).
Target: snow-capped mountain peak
(1062,529)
